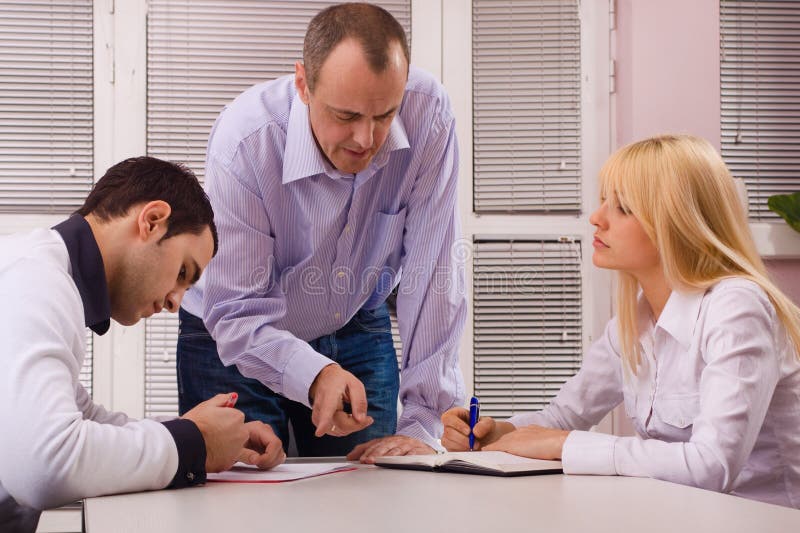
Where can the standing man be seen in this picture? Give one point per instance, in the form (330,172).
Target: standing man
(141,239)
(330,187)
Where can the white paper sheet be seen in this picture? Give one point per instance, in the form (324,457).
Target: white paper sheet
(243,473)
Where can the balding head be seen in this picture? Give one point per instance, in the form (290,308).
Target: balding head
(372,27)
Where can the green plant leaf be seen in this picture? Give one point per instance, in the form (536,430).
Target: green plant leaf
(788,207)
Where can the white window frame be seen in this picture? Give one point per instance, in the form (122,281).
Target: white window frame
(120,90)
(455,41)
(119,96)
(441,44)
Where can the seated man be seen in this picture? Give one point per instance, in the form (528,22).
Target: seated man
(142,237)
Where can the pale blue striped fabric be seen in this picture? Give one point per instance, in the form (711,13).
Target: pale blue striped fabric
(304,247)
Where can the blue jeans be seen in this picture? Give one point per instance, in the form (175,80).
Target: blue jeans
(363,347)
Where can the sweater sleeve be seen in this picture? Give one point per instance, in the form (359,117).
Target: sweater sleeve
(56,454)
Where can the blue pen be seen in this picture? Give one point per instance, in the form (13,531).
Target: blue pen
(474,414)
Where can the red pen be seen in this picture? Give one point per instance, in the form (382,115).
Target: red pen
(232,400)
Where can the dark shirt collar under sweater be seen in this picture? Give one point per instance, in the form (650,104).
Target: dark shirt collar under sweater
(88,272)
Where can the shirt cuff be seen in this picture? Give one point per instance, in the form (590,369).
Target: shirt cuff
(422,424)
(587,452)
(191,453)
(300,372)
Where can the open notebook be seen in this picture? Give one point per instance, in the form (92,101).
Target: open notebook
(485,463)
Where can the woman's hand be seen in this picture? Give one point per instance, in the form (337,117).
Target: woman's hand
(456,430)
(536,442)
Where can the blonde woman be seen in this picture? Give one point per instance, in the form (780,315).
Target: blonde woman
(703,350)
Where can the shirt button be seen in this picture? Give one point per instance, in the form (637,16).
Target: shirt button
(337,315)
(347,228)
(190,476)
(340,274)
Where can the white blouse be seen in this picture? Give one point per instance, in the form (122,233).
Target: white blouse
(715,402)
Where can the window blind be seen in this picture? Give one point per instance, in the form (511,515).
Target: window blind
(46,91)
(85,375)
(760,97)
(527,322)
(396,341)
(398,344)
(160,388)
(526,106)
(200,55)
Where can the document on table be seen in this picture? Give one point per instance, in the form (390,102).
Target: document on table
(244,473)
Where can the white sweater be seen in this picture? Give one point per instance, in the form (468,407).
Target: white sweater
(57,445)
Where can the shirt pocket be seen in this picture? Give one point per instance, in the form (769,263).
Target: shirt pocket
(677,412)
(387,240)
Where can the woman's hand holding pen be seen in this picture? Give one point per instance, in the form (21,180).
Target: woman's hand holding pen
(456,430)
(536,442)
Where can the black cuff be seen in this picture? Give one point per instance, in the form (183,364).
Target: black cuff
(191,453)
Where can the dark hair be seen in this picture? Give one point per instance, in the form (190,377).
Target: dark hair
(144,179)
(374,28)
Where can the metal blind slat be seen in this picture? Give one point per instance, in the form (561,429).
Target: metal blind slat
(526,106)
(527,322)
(398,344)
(47,87)
(201,54)
(85,375)
(760,90)
(160,374)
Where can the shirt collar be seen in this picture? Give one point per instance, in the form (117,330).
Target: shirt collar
(679,316)
(303,158)
(88,272)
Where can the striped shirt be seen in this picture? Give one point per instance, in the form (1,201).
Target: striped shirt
(303,247)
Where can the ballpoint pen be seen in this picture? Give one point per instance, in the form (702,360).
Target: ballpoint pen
(474,413)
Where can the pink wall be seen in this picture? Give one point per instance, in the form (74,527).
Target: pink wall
(667,57)
(786,273)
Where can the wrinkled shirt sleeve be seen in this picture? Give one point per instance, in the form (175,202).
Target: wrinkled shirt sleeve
(242,297)
(431,301)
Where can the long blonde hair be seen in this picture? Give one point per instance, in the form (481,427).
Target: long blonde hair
(682,193)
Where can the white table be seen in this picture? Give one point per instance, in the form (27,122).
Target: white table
(373,499)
